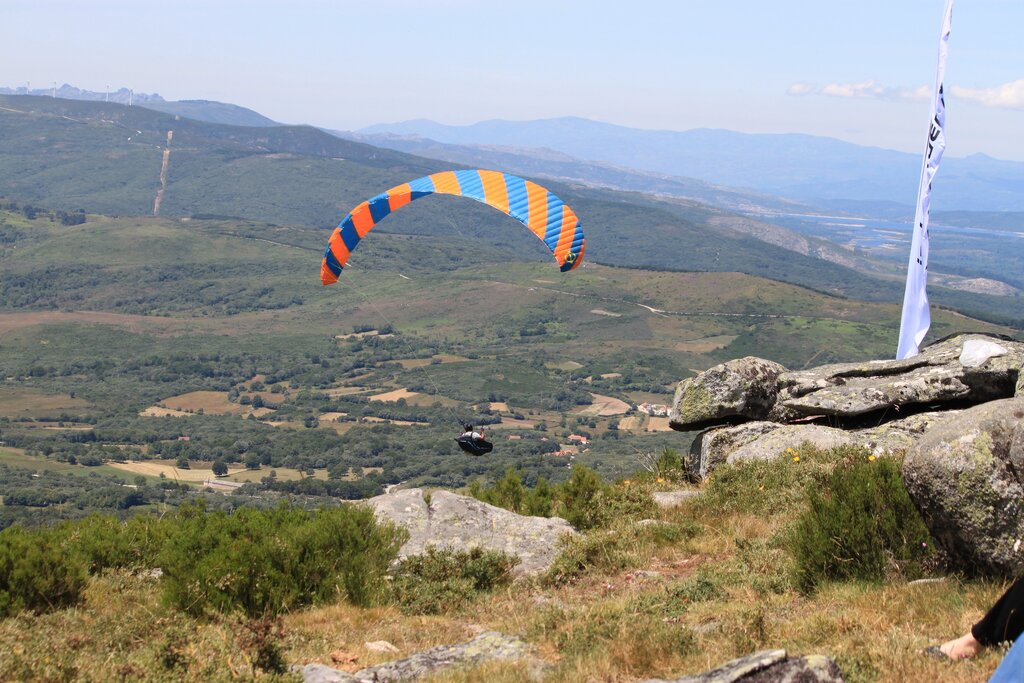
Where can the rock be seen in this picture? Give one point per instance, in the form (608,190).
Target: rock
(711,448)
(976,351)
(380,646)
(934,376)
(488,646)
(462,522)
(671,499)
(772,444)
(768,666)
(966,476)
(766,440)
(743,389)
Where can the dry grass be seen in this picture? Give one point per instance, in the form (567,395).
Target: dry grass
(154,468)
(17,403)
(604,406)
(658,424)
(210,402)
(707,344)
(394,395)
(707,585)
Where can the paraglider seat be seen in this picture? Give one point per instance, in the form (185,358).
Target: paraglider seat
(474,446)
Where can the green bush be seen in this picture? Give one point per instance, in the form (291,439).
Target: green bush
(103,541)
(265,562)
(586,501)
(441,581)
(36,573)
(860,525)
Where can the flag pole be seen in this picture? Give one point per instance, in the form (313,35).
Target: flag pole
(916,318)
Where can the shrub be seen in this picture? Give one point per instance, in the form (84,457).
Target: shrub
(585,500)
(265,562)
(861,525)
(35,572)
(103,541)
(441,581)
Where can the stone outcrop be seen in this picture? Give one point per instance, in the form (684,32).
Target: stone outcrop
(956,409)
(746,388)
(961,370)
(448,520)
(766,440)
(489,646)
(967,478)
(768,666)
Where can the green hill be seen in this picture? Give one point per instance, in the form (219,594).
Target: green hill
(106,158)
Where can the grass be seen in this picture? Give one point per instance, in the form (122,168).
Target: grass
(706,582)
(18,402)
(16,457)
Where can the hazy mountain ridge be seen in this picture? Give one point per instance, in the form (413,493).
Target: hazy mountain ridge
(802,167)
(200,110)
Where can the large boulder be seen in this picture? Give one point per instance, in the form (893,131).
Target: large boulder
(712,447)
(772,444)
(767,666)
(448,520)
(968,368)
(766,440)
(966,476)
(737,390)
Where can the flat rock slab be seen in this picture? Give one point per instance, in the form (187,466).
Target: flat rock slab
(767,666)
(463,522)
(768,440)
(488,646)
(972,368)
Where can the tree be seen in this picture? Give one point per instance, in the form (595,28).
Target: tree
(182,463)
(220,468)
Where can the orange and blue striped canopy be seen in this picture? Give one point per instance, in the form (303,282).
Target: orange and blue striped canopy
(532,205)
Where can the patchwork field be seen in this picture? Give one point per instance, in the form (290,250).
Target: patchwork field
(154,468)
(17,403)
(604,406)
(210,402)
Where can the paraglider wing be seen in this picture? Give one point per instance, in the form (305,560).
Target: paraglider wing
(532,205)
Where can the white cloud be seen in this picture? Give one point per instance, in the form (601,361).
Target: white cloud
(865,90)
(1009,95)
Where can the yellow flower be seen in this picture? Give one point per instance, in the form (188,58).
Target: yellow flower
(871,458)
(796,458)
(625,482)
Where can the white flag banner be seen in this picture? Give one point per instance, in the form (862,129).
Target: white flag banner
(916,319)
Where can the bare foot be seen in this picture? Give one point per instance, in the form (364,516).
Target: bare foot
(963,647)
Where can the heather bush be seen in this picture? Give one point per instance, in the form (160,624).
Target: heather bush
(860,525)
(442,581)
(266,562)
(36,573)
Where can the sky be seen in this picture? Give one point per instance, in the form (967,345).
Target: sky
(858,71)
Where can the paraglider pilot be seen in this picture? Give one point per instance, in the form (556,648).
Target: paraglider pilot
(473,442)
(475,436)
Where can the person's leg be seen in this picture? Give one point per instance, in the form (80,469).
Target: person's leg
(1011,670)
(1005,620)
(961,648)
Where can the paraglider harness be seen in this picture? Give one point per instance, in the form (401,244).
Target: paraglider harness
(473,445)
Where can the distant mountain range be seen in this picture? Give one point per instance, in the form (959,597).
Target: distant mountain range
(816,170)
(200,110)
(739,171)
